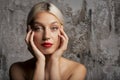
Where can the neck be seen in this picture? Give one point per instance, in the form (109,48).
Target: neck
(47,58)
(47,61)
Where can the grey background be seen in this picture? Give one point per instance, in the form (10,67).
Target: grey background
(93,27)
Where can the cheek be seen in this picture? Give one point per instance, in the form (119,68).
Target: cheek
(56,37)
(37,37)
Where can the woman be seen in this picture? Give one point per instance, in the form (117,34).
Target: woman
(47,41)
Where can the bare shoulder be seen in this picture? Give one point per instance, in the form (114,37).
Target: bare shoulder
(15,67)
(22,70)
(78,70)
(16,71)
(81,69)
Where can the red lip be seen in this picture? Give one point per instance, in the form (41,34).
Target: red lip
(47,44)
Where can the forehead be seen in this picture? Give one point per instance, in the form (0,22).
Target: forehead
(45,18)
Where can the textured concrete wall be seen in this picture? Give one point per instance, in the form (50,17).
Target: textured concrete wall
(93,27)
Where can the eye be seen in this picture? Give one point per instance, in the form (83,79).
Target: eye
(54,28)
(38,28)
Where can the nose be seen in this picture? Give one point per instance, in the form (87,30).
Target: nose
(46,35)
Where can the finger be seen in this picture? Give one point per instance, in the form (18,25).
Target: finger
(63,41)
(28,28)
(28,37)
(32,42)
(37,52)
(62,46)
(28,34)
(64,34)
(62,38)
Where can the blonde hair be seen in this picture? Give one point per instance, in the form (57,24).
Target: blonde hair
(44,6)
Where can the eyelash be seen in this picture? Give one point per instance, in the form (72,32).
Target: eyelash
(54,28)
(39,28)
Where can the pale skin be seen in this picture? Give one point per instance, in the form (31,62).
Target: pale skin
(47,63)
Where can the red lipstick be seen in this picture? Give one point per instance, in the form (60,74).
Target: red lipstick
(47,44)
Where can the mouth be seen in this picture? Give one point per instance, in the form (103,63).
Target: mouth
(47,44)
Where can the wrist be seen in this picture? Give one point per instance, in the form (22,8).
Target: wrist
(57,55)
(55,59)
(40,61)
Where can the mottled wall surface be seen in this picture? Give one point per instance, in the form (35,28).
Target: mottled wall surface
(93,27)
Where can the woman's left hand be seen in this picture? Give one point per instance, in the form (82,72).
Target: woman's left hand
(63,45)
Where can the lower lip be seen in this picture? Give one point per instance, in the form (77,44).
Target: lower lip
(47,46)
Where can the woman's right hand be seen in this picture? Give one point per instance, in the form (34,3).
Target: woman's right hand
(32,47)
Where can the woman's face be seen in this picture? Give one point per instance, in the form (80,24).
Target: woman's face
(47,28)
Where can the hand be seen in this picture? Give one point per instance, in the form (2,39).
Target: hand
(63,45)
(32,47)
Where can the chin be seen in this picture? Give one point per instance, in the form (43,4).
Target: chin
(48,52)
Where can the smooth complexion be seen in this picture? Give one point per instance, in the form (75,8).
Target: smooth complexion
(47,29)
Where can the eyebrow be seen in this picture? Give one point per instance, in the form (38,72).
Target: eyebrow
(42,24)
(37,23)
(54,22)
